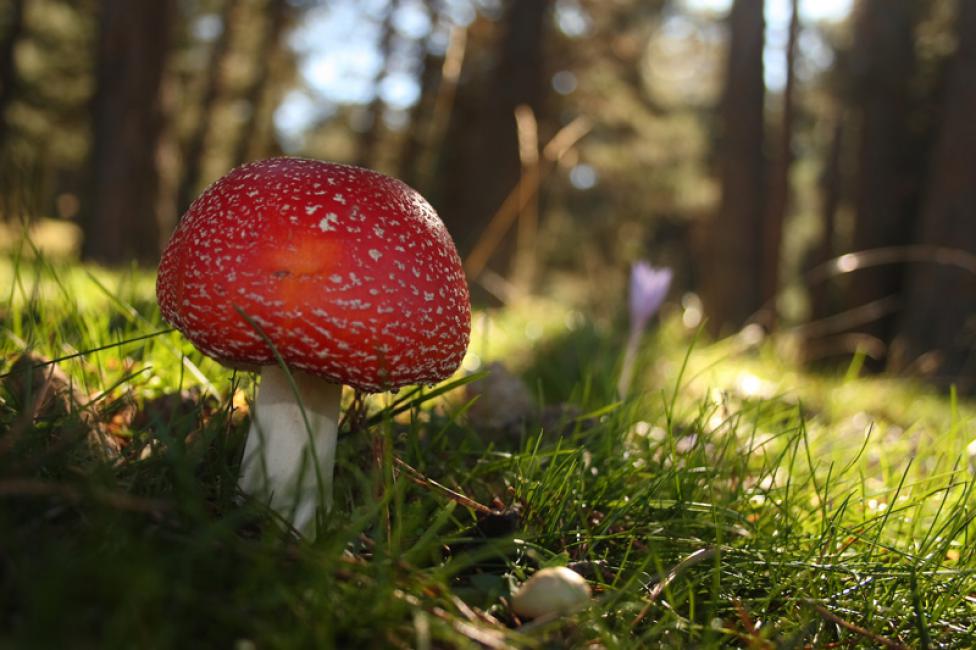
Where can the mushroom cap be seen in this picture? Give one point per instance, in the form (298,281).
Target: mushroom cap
(550,592)
(350,274)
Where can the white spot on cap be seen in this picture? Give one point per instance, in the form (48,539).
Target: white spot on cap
(375,254)
(328,222)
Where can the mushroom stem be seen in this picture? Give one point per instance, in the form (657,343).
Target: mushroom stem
(287,463)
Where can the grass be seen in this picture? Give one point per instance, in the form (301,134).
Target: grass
(732,502)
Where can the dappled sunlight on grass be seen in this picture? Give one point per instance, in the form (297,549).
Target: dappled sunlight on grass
(769,371)
(28,279)
(513,333)
(55,239)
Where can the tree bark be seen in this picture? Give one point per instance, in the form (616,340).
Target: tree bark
(370,137)
(940,302)
(481,163)
(732,285)
(277,11)
(779,188)
(13,190)
(216,74)
(133,42)
(888,155)
(8,64)
(438,91)
(420,114)
(822,299)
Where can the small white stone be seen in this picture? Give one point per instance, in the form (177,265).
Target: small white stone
(551,592)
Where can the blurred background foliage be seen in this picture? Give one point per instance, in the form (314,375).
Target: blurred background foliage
(805,167)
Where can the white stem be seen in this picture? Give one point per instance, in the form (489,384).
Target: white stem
(286,463)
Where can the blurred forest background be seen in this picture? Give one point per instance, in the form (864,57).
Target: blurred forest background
(807,166)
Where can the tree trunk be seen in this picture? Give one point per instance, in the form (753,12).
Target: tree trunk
(732,285)
(482,164)
(822,299)
(779,188)
(888,157)
(133,41)
(439,83)
(420,114)
(14,190)
(193,160)
(940,305)
(168,160)
(8,64)
(277,18)
(370,137)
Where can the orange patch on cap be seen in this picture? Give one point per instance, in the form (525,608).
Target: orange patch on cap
(300,267)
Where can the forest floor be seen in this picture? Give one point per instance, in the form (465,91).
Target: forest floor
(730,501)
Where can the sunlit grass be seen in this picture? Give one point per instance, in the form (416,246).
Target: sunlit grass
(815,510)
(57,239)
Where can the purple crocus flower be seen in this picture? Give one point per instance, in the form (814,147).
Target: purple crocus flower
(648,288)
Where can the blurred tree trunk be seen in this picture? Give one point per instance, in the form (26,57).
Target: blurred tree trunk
(779,187)
(8,63)
(131,50)
(169,159)
(420,114)
(11,188)
(888,156)
(822,300)
(413,144)
(481,163)
(940,301)
(370,137)
(431,116)
(732,284)
(250,140)
(216,74)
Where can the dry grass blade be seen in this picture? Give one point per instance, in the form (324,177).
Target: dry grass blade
(118,500)
(473,615)
(83,353)
(751,634)
(849,319)
(870,258)
(489,638)
(527,129)
(520,195)
(25,419)
(436,126)
(697,557)
(420,479)
(856,629)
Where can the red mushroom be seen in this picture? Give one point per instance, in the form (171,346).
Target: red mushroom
(352,278)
